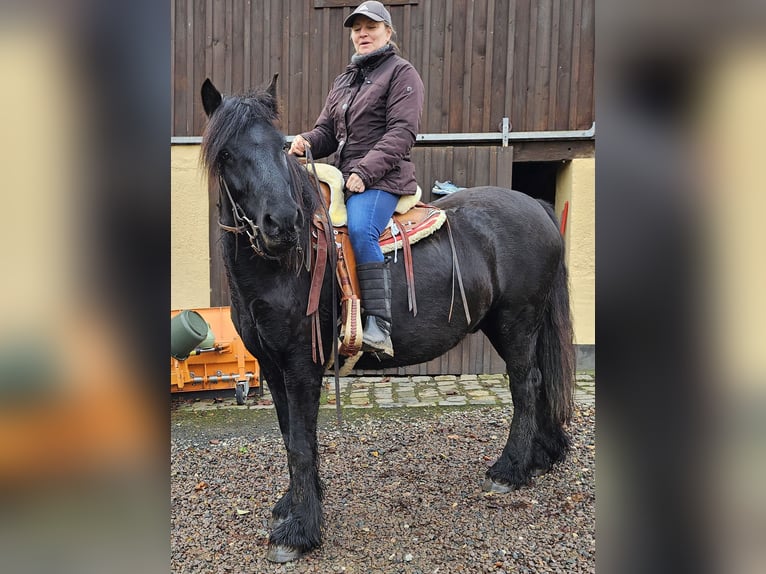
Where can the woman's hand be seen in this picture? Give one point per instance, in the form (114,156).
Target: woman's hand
(299,145)
(355,184)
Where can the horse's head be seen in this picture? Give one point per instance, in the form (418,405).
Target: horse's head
(244,151)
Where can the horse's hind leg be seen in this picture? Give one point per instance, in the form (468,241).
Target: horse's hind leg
(551,442)
(536,347)
(555,363)
(514,467)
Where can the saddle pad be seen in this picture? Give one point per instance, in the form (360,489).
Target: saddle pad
(333,178)
(419,222)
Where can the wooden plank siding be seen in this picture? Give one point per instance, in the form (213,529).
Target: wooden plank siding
(467,165)
(480,61)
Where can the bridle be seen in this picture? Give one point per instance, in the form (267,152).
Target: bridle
(243,223)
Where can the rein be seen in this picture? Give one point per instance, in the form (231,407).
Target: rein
(330,240)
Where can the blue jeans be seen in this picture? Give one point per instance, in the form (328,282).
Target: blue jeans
(368,214)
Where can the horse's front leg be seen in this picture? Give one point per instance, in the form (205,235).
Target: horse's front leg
(278,393)
(298,524)
(272,372)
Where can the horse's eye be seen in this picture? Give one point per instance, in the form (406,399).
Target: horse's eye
(225,155)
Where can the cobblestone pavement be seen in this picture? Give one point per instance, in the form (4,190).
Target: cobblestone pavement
(366,392)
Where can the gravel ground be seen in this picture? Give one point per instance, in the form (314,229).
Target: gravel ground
(402,495)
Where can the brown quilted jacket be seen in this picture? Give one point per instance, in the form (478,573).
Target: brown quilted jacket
(370,120)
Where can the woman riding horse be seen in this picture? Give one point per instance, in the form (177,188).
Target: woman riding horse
(370,120)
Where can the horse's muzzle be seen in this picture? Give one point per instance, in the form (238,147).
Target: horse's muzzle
(281,232)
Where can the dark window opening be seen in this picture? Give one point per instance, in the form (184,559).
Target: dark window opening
(537,178)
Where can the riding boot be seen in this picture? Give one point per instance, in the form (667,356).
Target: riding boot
(375,287)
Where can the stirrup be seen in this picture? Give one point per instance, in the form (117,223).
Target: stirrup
(376,340)
(351,327)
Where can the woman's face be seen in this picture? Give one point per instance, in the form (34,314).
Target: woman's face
(369,35)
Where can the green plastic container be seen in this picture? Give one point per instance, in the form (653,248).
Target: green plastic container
(187,330)
(209,340)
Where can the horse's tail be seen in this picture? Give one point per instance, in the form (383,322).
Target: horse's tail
(555,346)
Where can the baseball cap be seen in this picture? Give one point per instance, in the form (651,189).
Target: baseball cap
(373,10)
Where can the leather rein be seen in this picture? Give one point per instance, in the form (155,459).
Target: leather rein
(317,280)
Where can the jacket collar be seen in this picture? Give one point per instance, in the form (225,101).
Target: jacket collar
(373,59)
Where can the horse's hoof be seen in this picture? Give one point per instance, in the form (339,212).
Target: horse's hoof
(498,487)
(279,553)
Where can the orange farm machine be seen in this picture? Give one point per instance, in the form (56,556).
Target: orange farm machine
(208,354)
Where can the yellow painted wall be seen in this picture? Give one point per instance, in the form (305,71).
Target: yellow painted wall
(577,184)
(730,125)
(189,228)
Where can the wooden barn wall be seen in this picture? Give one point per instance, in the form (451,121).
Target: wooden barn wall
(480,60)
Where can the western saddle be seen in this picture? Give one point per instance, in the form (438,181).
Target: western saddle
(413,220)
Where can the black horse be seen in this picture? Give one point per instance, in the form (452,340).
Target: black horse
(511,258)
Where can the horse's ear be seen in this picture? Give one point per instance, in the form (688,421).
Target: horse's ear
(211,97)
(271,90)
(272,87)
